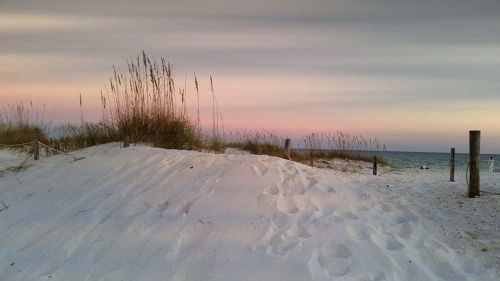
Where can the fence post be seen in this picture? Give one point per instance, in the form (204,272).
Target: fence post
(452,165)
(288,149)
(36,146)
(374,165)
(126,142)
(312,157)
(475,158)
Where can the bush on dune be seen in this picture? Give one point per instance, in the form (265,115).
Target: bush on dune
(18,124)
(144,105)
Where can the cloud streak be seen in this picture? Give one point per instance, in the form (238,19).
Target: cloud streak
(412,66)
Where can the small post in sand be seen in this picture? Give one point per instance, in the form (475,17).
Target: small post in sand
(36,147)
(288,149)
(475,158)
(312,157)
(374,165)
(126,142)
(452,165)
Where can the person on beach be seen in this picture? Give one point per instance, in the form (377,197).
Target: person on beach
(492,165)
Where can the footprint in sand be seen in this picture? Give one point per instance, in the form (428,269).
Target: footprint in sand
(260,171)
(287,205)
(278,242)
(191,237)
(273,190)
(281,245)
(292,185)
(162,207)
(341,215)
(398,217)
(280,219)
(184,209)
(403,230)
(266,238)
(306,208)
(321,200)
(386,241)
(386,208)
(358,231)
(439,265)
(362,207)
(298,230)
(267,200)
(312,181)
(335,259)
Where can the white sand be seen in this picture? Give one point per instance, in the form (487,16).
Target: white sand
(11,158)
(150,214)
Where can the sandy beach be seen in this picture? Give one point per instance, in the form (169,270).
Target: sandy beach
(142,213)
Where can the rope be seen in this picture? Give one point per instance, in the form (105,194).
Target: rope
(15,145)
(57,150)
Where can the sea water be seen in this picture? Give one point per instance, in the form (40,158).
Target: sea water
(431,160)
(435,160)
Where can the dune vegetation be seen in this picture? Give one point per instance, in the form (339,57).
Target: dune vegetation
(143,103)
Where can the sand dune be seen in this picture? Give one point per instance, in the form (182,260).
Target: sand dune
(142,213)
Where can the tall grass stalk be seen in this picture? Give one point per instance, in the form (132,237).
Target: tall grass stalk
(143,105)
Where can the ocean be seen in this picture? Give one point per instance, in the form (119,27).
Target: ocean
(436,160)
(433,160)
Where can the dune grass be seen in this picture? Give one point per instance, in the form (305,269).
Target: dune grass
(18,123)
(256,142)
(317,145)
(344,146)
(144,104)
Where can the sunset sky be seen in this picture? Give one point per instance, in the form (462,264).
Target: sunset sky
(415,74)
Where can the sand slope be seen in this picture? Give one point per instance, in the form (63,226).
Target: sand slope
(150,214)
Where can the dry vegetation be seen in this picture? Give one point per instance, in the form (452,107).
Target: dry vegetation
(257,142)
(315,145)
(344,145)
(18,123)
(144,104)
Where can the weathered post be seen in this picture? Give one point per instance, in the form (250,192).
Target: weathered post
(374,165)
(311,154)
(36,146)
(288,149)
(452,165)
(126,142)
(475,158)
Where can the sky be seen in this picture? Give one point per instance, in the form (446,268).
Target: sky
(417,75)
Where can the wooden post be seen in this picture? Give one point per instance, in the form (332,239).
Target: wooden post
(312,158)
(288,149)
(452,165)
(374,165)
(475,158)
(36,146)
(126,142)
